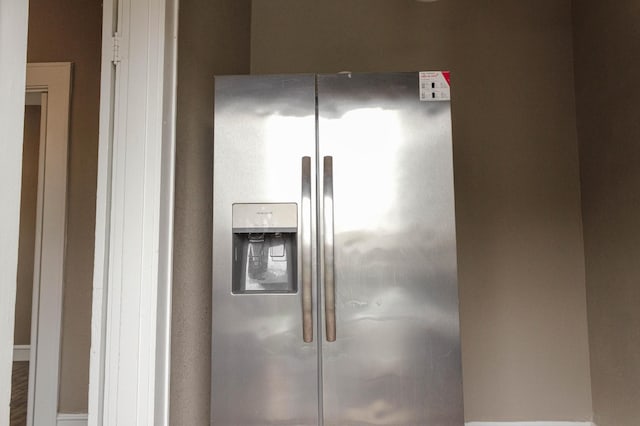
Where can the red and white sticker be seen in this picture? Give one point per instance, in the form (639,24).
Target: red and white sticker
(435,86)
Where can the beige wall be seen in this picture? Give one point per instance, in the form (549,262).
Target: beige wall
(70,31)
(213,39)
(607,62)
(28,202)
(521,265)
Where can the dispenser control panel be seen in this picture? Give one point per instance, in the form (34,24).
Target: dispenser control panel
(267,217)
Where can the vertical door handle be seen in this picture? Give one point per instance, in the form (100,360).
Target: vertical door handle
(329,272)
(307,298)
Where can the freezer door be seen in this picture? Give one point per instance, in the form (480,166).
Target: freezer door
(263,371)
(388,254)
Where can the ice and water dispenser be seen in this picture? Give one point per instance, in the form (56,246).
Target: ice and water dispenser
(264,248)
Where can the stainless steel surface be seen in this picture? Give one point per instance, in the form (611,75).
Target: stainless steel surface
(387,256)
(396,359)
(263,373)
(329,278)
(307,297)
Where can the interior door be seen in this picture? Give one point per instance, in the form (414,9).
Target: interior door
(263,372)
(388,245)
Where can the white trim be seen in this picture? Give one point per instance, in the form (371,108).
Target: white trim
(53,81)
(546,423)
(103,209)
(167,197)
(13,57)
(21,352)
(129,373)
(37,261)
(72,419)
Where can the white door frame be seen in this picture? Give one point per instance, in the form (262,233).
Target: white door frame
(13,58)
(130,326)
(131,308)
(53,82)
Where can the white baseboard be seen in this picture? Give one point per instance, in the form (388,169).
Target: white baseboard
(82,419)
(21,352)
(72,419)
(530,424)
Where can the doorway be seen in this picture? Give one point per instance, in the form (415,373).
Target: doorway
(35,373)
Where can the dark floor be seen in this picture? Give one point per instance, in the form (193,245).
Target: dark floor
(19,387)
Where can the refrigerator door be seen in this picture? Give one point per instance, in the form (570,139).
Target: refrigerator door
(263,372)
(388,242)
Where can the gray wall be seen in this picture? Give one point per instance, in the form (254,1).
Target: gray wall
(70,31)
(607,63)
(521,264)
(213,39)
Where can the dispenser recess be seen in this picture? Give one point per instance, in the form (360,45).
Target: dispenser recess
(264,248)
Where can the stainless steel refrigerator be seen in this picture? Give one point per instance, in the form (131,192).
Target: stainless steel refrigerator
(335,297)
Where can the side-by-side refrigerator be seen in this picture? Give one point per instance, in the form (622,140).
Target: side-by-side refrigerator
(335,298)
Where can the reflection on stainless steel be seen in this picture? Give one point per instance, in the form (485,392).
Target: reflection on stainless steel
(396,360)
(307,297)
(329,276)
(366,125)
(263,373)
(387,242)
